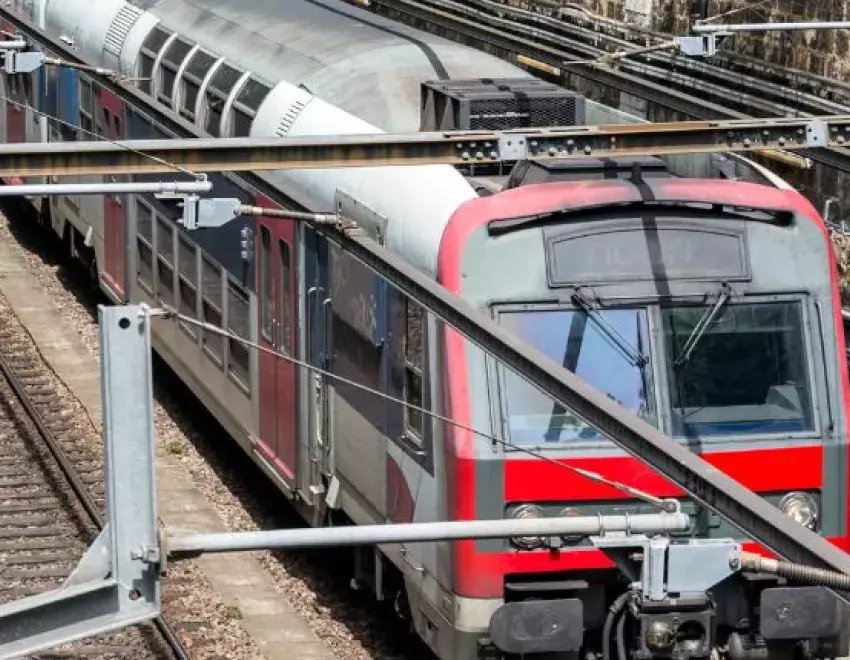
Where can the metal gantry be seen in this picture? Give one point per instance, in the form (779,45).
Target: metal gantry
(405,149)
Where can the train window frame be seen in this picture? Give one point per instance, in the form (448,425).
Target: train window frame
(174,55)
(819,399)
(217,93)
(250,97)
(496,374)
(285,276)
(243,383)
(164,280)
(144,244)
(152,49)
(413,369)
(211,308)
(86,106)
(195,71)
(187,280)
(265,285)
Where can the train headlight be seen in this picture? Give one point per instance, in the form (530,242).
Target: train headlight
(524,511)
(571,512)
(801,507)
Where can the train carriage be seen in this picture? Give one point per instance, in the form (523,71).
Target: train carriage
(698,292)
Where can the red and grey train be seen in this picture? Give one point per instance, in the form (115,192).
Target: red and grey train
(700,293)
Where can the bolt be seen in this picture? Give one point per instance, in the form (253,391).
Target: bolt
(734,561)
(465,155)
(588,150)
(135,594)
(781,142)
(494,155)
(479,155)
(840,139)
(533,143)
(552,151)
(571,143)
(472,144)
(747,142)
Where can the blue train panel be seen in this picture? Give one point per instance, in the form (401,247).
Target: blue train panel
(68,96)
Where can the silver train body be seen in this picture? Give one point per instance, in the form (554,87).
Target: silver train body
(297,68)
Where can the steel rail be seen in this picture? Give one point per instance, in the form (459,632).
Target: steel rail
(758,519)
(74,480)
(457,148)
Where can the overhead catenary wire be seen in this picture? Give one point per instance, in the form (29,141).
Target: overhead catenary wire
(662,503)
(118,143)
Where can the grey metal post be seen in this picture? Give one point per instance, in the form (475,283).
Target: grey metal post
(116,582)
(705,28)
(650,523)
(161,187)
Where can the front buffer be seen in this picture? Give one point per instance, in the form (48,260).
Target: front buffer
(695,599)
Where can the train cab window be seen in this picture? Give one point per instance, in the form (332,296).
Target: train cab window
(266,293)
(170,65)
(212,297)
(144,243)
(165,260)
(285,298)
(746,373)
(216,96)
(187,267)
(150,49)
(239,324)
(194,74)
(414,328)
(607,348)
(245,106)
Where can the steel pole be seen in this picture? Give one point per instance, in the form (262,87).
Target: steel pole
(291,539)
(769,27)
(105,188)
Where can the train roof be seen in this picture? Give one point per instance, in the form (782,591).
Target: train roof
(362,63)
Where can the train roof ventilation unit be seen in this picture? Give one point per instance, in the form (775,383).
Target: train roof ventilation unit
(498,104)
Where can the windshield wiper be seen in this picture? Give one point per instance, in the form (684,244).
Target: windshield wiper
(637,357)
(723,296)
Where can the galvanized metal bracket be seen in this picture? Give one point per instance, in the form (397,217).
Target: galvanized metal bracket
(116,583)
(664,567)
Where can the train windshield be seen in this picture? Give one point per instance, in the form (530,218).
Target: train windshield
(744,373)
(608,349)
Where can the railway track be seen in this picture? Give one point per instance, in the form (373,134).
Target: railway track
(52,496)
(688,87)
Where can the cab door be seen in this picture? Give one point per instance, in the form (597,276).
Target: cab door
(276,287)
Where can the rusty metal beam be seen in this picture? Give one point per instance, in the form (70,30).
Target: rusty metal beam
(456,148)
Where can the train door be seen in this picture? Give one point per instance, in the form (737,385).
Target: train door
(276,287)
(16,103)
(110,125)
(318,353)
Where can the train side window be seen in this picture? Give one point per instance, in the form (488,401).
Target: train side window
(285,298)
(165,260)
(266,294)
(414,328)
(194,74)
(250,97)
(239,324)
(170,65)
(187,267)
(213,295)
(144,245)
(216,95)
(150,50)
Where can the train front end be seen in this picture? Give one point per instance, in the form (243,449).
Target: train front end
(709,308)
